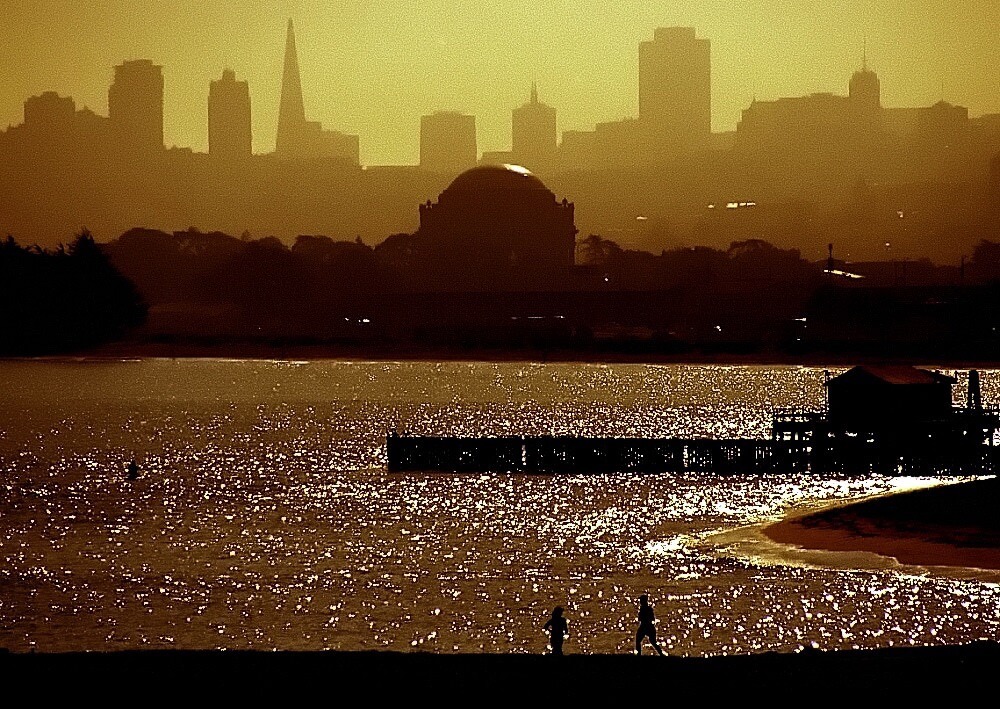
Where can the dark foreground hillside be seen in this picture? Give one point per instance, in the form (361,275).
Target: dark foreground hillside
(377,678)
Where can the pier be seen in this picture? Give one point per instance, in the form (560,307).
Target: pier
(877,420)
(568,454)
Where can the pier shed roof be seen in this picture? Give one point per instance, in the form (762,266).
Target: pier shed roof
(881,397)
(893,374)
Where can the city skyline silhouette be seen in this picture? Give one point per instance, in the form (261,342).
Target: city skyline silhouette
(365,74)
(795,170)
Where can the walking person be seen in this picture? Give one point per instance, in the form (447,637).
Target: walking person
(647,626)
(557,627)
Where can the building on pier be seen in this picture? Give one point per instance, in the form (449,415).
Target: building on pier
(878,420)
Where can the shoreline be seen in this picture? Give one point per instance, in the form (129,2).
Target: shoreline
(265,351)
(949,526)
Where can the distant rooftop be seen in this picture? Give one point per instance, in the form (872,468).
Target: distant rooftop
(496,177)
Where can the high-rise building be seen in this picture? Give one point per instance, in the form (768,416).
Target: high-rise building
(448,142)
(534,133)
(230,135)
(301,139)
(866,100)
(866,90)
(292,111)
(675,92)
(135,105)
(50,114)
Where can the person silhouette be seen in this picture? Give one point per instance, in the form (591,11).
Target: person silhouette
(557,627)
(133,470)
(647,626)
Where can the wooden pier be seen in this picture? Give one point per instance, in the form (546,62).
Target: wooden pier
(569,454)
(890,420)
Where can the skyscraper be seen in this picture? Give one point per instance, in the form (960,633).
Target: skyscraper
(301,139)
(135,105)
(866,90)
(448,142)
(866,101)
(534,133)
(675,92)
(230,135)
(292,111)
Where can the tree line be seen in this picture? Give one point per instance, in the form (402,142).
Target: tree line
(63,299)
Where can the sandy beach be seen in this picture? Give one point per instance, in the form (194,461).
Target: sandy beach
(945,526)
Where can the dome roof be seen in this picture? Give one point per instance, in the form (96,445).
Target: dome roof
(487,178)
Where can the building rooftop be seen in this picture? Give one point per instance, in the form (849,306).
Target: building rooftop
(496,177)
(896,375)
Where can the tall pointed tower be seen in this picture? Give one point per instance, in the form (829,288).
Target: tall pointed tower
(292,112)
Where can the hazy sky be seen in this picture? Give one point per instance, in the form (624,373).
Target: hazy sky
(373,68)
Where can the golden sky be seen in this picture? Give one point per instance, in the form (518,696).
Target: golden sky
(373,68)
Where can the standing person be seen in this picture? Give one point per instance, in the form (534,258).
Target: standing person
(647,626)
(557,627)
(132,470)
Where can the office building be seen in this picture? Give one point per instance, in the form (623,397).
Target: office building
(534,133)
(135,105)
(230,135)
(448,142)
(675,92)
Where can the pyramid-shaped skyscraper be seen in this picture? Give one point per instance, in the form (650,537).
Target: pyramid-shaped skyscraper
(301,139)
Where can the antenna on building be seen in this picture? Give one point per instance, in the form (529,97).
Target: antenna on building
(864,55)
(534,92)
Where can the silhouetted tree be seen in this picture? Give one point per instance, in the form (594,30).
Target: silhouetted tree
(985,264)
(594,250)
(64,299)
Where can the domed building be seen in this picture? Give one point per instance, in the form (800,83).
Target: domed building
(498,219)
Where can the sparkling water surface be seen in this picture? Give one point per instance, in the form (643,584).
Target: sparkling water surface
(264,517)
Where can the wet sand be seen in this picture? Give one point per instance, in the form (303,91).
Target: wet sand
(377,678)
(947,526)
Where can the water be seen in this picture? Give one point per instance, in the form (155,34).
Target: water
(264,517)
